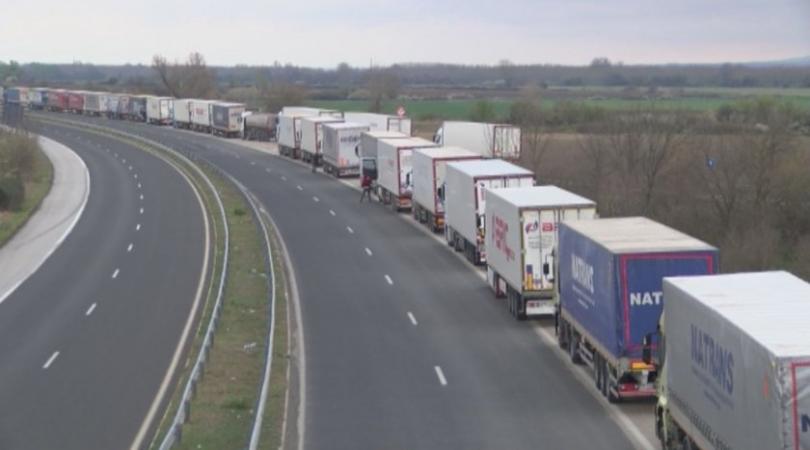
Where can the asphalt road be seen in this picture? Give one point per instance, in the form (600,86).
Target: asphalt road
(406,347)
(112,301)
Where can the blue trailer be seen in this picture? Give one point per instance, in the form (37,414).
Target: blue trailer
(611,295)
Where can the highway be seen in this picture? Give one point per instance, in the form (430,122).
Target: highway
(406,347)
(87,340)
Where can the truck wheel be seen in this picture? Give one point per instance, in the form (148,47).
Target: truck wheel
(562,332)
(520,307)
(573,349)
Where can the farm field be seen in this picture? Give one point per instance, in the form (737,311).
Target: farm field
(693,99)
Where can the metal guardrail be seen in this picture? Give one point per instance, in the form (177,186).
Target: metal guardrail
(174,432)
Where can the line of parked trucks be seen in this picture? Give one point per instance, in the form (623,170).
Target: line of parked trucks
(640,304)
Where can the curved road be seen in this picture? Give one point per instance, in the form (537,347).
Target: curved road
(87,340)
(406,348)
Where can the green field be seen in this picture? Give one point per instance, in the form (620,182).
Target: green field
(695,99)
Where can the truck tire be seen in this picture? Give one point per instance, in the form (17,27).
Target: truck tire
(573,348)
(562,332)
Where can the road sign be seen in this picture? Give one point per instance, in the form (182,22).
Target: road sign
(401,111)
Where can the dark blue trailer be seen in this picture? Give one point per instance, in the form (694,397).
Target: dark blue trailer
(611,295)
(12,95)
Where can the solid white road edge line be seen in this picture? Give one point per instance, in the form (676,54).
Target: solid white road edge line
(299,188)
(64,236)
(413,319)
(90,309)
(50,361)
(141,210)
(440,374)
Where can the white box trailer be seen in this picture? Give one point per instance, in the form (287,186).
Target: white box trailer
(380,122)
(737,362)
(521,241)
(94,103)
(429,170)
(159,110)
(304,111)
(289,131)
(341,142)
(465,200)
(368,150)
(490,140)
(395,180)
(226,118)
(200,115)
(111,102)
(312,137)
(181,113)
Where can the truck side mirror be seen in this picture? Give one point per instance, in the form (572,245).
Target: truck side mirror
(546,269)
(646,348)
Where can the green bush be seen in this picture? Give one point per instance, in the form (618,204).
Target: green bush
(12,193)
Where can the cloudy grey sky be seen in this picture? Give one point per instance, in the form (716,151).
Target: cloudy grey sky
(322,33)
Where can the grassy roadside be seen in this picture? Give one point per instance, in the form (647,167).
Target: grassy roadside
(36,188)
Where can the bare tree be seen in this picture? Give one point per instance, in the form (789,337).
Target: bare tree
(192,79)
(277,95)
(382,85)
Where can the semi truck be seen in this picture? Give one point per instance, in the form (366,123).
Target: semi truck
(368,150)
(521,242)
(610,295)
(429,173)
(181,113)
(37,98)
(380,122)
(226,118)
(159,110)
(289,127)
(465,212)
(94,104)
(340,142)
(734,352)
(490,140)
(57,100)
(75,102)
(259,127)
(200,112)
(111,105)
(395,172)
(136,110)
(312,137)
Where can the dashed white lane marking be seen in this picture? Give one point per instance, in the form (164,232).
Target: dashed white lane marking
(130,168)
(141,196)
(129,248)
(283,178)
(368,251)
(316,199)
(299,188)
(331,212)
(90,309)
(136,176)
(139,185)
(413,319)
(50,361)
(349,229)
(124,161)
(253,163)
(440,374)
(267,170)
(141,211)
(138,227)
(389,280)
(115,274)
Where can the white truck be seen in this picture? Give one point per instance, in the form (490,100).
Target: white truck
(490,140)
(395,180)
(735,356)
(289,127)
(380,122)
(429,172)
(521,239)
(159,110)
(226,118)
(201,115)
(340,148)
(312,137)
(94,103)
(368,150)
(465,201)
(181,114)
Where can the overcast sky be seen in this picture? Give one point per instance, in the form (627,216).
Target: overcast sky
(322,33)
